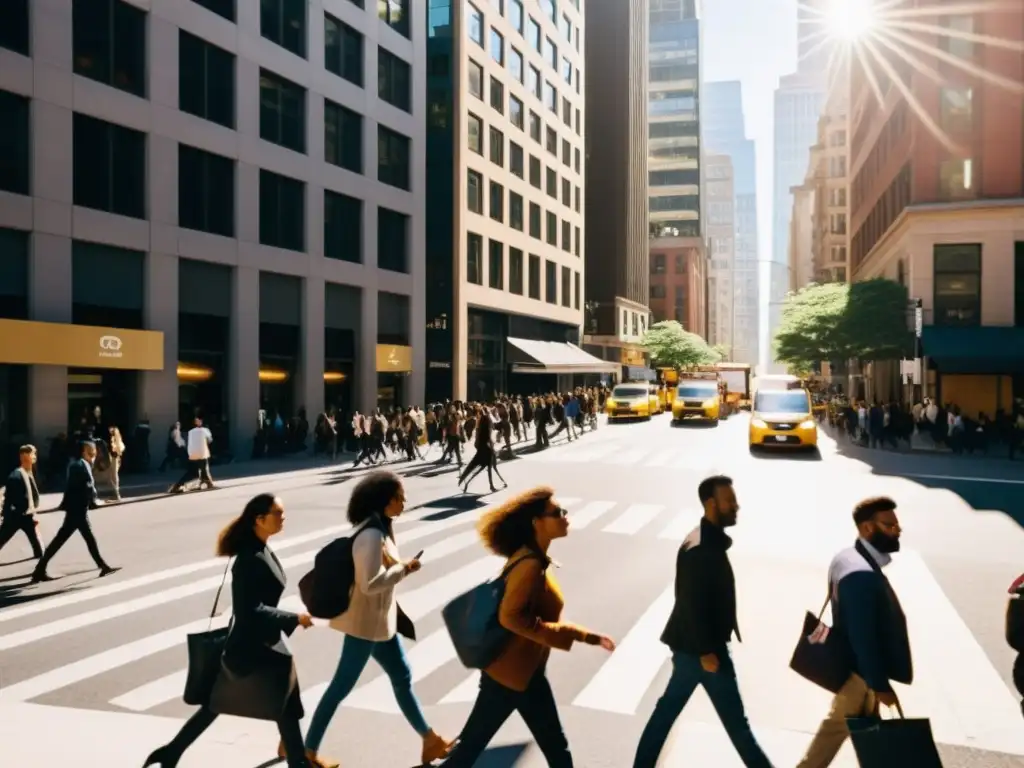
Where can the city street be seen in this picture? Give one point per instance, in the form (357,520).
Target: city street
(99,663)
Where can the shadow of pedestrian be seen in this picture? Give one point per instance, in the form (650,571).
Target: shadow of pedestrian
(11,595)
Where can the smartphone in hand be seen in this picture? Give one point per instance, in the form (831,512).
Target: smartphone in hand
(419,554)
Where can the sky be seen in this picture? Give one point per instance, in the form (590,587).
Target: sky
(753,41)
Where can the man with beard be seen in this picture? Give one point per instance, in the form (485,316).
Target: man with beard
(869,622)
(699,630)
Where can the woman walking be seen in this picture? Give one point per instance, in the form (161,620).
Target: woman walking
(256,641)
(521,530)
(372,620)
(485,456)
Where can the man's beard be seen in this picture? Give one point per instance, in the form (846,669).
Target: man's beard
(884,543)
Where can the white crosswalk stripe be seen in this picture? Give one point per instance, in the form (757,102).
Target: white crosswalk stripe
(635,517)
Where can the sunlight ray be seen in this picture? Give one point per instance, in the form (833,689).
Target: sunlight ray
(922,114)
(960,9)
(821,14)
(971,37)
(966,66)
(818,34)
(928,71)
(869,73)
(815,49)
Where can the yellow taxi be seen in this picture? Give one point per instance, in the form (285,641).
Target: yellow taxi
(629,401)
(782,418)
(656,404)
(697,399)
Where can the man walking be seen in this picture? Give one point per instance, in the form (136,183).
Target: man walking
(21,500)
(198,445)
(79,497)
(869,622)
(702,623)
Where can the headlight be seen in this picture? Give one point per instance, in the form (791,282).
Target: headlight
(710,403)
(609,403)
(809,424)
(758,424)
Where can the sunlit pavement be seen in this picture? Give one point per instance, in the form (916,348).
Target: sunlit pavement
(100,661)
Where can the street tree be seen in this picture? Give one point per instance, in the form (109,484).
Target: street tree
(672,346)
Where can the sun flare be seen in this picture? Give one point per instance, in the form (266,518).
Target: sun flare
(849,19)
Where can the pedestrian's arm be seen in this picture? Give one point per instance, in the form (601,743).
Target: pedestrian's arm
(518,614)
(695,596)
(371,576)
(858,598)
(247,577)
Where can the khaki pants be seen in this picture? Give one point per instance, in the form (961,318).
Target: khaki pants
(854,699)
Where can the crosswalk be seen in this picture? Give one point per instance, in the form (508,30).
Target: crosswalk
(129,635)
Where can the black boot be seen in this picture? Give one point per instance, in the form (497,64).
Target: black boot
(161,757)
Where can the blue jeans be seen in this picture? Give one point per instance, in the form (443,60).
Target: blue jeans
(355,653)
(687,674)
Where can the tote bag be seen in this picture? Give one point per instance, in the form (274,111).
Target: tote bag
(896,743)
(204,654)
(819,656)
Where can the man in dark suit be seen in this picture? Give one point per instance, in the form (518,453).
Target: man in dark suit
(21,500)
(79,497)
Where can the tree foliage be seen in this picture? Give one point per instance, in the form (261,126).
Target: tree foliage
(837,321)
(672,346)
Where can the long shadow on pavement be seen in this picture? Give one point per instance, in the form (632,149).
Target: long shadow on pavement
(11,595)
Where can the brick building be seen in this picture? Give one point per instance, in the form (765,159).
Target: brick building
(679,281)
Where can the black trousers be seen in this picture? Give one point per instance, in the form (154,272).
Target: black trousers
(75,521)
(288,727)
(197,469)
(494,704)
(27,525)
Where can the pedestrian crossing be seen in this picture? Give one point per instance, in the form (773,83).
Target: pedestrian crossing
(129,635)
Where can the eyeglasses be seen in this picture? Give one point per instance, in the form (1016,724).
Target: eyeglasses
(557,512)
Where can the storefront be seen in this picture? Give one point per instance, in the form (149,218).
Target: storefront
(557,364)
(979,369)
(394,364)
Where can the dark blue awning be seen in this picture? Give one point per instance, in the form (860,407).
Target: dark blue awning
(980,349)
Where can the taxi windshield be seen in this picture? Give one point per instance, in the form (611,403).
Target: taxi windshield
(623,393)
(781,402)
(698,390)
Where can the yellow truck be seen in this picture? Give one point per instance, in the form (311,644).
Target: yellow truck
(697,396)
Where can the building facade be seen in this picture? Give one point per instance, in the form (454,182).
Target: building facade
(802,235)
(213,209)
(679,283)
(830,170)
(723,131)
(505,170)
(720,227)
(940,208)
(617,260)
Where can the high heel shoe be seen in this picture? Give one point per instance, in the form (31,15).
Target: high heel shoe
(161,757)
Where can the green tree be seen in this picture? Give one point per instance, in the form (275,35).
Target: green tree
(672,346)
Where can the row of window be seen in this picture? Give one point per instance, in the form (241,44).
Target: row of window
(495,277)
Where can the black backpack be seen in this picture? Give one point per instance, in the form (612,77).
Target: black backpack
(1015,616)
(327,589)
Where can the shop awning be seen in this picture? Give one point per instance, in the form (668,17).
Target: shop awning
(27,342)
(982,349)
(530,356)
(639,373)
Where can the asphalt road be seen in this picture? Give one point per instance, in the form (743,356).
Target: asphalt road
(99,663)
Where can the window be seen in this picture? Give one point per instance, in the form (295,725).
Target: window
(515,210)
(534,277)
(533,34)
(475,133)
(475,192)
(392,158)
(548,6)
(535,126)
(552,183)
(515,159)
(550,282)
(576,247)
(497,142)
(225,8)
(394,83)
(566,193)
(343,137)
(515,64)
(551,141)
(566,287)
(576,202)
(552,233)
(343,227)
(497,95)
(515,111)
(476,79)
(515,18)
(284,22)
(282,211)
(14,26)
(206,80)
(567,237)
(565,27)
(550,97)
(497,201)
(14,143)
(953,41)
(392,240)
(343,50)
(282,112)
(551,53)
(535,221)
(533,81)
(109,167)
(956,115)
(497,47)
(566,153)
(474,259)
(515,271)
(955,178)
(576,301)
(109,40)
(499,6)
(957,299)
(395,13)
(206,191)
(475,24)
(496,264)
(566,112)
(535,171)
(657,291)
(579,123)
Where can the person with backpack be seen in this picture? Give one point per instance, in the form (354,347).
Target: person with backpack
(522,530)
(372,619)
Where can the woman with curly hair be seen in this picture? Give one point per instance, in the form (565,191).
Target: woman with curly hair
(522,530)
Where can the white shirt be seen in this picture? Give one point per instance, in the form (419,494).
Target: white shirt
(28,491)
(199,443)
(372,612)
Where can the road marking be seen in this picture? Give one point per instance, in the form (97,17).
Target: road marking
(465,692)
(660,459)
(629,457)
(116,610)
(995,480)
(425,657)
(621,682)
(594,453)
(685,520)
(588,513)
(153,694)
(633,519)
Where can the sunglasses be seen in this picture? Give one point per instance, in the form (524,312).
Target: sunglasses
(558,512)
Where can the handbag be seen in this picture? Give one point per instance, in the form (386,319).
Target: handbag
(205,650)
(261,694)
(472,621)
(893,743)
(819,656)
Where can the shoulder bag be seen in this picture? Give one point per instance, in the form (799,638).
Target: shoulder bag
(819,656)
(205,650)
